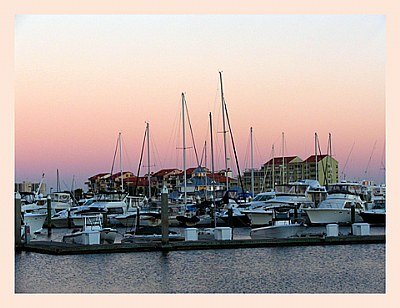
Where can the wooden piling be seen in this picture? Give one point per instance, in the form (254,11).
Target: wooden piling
(353,214)
(164,216)
(49,215)
(17,214)
(69,222)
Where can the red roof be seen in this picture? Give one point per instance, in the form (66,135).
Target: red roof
(98,176)
(163,172)
(278,160)
(311,159)
(118,174)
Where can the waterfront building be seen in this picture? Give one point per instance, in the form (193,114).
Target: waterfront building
(278,170)
(26,186)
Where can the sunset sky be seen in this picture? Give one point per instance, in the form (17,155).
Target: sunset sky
(82,79)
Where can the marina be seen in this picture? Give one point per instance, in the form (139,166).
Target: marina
(355,267)
(190,206)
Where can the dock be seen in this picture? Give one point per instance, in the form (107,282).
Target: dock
(60,248)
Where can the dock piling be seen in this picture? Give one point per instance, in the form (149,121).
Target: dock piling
(49,215)
(164,216)
(17,202)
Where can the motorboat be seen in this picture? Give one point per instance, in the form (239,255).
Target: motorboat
(281,226)
(35,221)
(337,207)
(149,234)
(61,201)
(146,218)
(376,212)
(91,233)
(297,195)
(237,219)
(65,218)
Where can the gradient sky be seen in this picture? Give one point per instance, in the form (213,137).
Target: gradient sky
(82,79)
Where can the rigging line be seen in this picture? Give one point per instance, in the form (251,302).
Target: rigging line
(126,153)
(112,166)
(383,164)
(140,162)
(246,156)
(203,153)
(369,161)
(233,145)
(191,132)
(155,152)
(347,160)
(323,166)
(170,153)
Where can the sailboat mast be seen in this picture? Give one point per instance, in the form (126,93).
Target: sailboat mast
(283,158)
(252,161)
(212,169)
(148,158)
(184,147)
(316,157)
(273,167)
(224,130)
(120,162)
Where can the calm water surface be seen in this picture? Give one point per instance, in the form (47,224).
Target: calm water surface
(309,269)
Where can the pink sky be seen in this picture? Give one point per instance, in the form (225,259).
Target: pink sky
(80,80)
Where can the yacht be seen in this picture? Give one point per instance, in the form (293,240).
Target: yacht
(336,208)
(281,226)
(297,195)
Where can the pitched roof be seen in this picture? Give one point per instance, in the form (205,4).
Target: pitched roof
(278,160)
(164,172)
(98,176)
(311,159)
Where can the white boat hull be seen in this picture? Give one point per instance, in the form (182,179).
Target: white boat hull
(328,216)
(280,231)
(35,221)
(108,235)
(259,218)
(83,237)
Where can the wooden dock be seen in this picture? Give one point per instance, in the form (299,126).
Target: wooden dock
(59,248)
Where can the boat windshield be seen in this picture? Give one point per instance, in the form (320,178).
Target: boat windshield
(345,188)
(291,189)
(263,197)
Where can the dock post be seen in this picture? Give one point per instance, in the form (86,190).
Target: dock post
(48,215)
(17,202)
(164,216)
(105,220)
(295,214)
(230,217)
(137,217)
(69,219)
(352,216)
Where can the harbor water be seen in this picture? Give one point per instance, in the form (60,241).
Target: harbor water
(304,269)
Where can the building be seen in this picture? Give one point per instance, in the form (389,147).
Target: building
(30,187)
(280,170)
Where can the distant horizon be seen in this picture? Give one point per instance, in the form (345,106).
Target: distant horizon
(80,80)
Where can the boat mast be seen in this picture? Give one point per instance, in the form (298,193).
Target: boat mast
(205,166)
(148,158)
(120,162)
(316,157)
(252,162)
(184,148)
(58,182)
(283,158)
(224,130)
(212,171)
(273,167)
